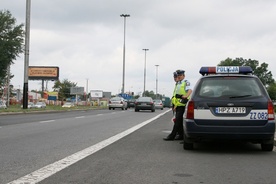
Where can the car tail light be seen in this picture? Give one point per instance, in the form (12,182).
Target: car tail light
(121,102)
(270,111)
(190,110)
(151,103)
(109,101)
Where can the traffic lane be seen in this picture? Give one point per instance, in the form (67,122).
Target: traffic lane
(17,118)
(143,157)
(27,147)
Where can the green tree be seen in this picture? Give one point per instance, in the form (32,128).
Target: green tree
(260,71)
(63,88)
(11,42)
(149,94)
(272,91)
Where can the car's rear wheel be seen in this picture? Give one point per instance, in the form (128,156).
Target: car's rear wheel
(187,145)
(267,147)
(153,110)
(136,110)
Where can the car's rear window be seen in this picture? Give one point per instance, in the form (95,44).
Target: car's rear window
(229,86)
(144,99)
(116,99)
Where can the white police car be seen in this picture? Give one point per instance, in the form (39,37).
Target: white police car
(230,103)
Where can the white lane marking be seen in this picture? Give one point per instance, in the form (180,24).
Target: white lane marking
(80,117)
(55,167)
(99,114)
(47,121)
(167,131)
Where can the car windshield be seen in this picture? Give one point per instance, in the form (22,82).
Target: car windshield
(233,87)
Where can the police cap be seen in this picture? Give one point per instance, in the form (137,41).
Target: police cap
(174,74)
(180,72)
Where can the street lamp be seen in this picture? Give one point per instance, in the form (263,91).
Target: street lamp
(156,80)
(26,58)
(123,83)
(145,70)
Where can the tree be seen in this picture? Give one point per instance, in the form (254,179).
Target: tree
(149,94)
(63,88)
(260,71)
(272,91)
(11,42)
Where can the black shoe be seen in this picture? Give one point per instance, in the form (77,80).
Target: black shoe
(168,138)
(178,137)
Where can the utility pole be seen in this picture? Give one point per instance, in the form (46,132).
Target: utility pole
(124,54)
(156,80)
(145,70)
(26,59)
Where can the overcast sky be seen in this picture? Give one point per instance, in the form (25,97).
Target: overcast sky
(84,38)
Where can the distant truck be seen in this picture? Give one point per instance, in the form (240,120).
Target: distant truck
(166,102)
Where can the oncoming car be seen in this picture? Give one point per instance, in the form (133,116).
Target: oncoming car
(230,103)
(117,102)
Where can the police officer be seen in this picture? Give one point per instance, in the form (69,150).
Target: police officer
(175,77)
(182,94)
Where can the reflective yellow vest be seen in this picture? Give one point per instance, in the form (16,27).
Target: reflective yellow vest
(181,91)
(173,98)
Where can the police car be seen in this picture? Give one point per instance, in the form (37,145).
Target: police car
(230,103)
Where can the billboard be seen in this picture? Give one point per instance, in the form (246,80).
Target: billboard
(96,93)
(43,72)
(76,90)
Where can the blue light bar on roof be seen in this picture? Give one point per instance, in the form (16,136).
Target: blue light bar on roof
(225,70)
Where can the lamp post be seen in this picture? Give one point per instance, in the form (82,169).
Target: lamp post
(145,70)
(26,58)
(124,48)
(156,80)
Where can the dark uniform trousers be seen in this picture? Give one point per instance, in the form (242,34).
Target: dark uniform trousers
(178,125)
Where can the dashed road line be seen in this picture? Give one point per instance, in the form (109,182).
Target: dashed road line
(80,117)
(48,121)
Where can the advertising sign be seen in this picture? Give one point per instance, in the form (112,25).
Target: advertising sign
(43,72)
(96,93)
(76,90)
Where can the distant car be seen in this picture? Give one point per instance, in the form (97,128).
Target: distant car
(40,105)
(144,103)
(117,102)
(30,105)
(68,105)
(2,105)
(230,103)
(158,104)
(131,103)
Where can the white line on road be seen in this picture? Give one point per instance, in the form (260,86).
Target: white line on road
(81,117)
(99,114)
(47,121)
(55,167)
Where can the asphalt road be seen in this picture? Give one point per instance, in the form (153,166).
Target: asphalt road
(32,142)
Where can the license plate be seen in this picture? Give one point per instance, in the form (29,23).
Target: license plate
(230,110)
(143,103)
